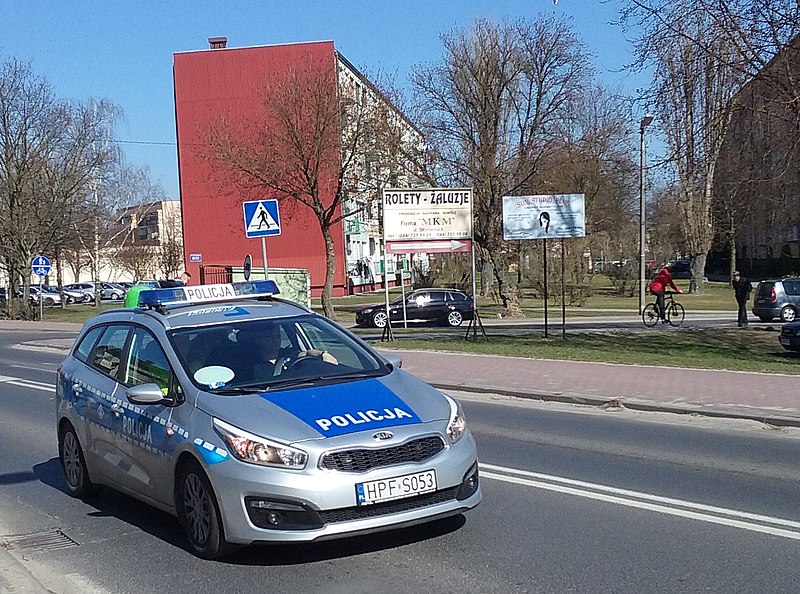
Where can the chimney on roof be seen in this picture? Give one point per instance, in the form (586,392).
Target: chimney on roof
(218,42)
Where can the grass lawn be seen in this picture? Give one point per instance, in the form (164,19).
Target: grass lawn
(753,349)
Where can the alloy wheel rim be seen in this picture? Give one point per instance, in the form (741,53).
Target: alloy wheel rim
(72,460)
(454,318)
(380,320)
(196,508)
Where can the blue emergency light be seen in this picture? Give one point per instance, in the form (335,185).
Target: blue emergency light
(207,293)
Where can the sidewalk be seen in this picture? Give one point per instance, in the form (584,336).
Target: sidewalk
(771,398)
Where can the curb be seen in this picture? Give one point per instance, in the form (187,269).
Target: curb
(14,577)
(621,402)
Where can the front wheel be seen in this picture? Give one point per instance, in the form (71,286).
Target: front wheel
(379,319)
(454,318)
(199,515)
(49,301)
(650,315)
(675,314)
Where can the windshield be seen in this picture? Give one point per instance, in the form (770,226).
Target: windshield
(262,355)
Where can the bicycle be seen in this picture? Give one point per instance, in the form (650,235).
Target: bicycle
(673,311)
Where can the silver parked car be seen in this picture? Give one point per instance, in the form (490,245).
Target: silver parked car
(252,418)
(777,298)
(86,288)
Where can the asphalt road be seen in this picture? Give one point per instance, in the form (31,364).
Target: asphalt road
(575,500)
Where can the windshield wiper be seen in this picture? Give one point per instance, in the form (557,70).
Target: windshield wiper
(310,381)
(238,390)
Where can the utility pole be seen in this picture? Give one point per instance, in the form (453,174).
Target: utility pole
(646,121)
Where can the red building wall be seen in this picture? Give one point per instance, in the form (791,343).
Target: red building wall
(208,84)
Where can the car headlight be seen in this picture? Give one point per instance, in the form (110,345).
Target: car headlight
(366,311)
(457,425)
(258,450)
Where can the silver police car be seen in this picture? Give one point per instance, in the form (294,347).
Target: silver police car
(251,418)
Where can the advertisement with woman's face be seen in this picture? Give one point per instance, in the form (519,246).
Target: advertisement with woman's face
(543,216)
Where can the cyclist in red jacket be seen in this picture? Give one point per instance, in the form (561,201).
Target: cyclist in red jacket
(658,287)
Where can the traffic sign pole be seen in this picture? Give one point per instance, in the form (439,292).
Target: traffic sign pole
(264,257)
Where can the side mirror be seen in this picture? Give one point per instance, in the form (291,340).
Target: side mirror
(393,360)
(145,394)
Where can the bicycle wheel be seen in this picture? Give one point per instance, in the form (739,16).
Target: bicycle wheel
(675,314)
(650,315)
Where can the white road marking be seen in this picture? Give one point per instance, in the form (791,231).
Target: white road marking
(26,383)
(664,505)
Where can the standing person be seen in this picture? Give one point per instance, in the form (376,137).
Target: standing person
(185,277)
(741,290)
(658,287)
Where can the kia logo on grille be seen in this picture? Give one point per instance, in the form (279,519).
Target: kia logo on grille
(382,435)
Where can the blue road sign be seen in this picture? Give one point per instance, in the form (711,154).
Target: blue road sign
(261,218)
(41,266)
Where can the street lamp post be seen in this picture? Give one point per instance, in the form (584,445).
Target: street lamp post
(646,121)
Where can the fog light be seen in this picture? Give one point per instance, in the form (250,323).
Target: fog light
(470,484)
(274,518)
(281,515)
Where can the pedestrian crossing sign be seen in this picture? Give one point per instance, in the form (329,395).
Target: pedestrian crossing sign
(261,218)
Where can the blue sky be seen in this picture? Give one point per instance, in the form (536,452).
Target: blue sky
(123,51)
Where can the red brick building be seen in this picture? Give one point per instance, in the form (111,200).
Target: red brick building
(221,80)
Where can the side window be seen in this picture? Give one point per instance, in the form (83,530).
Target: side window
(791,287)
(108,352)
(84,349)
(147,362)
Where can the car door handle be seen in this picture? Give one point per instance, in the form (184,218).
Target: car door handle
(117,408)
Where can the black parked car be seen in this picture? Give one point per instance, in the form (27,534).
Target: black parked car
(790,336)
(449,307)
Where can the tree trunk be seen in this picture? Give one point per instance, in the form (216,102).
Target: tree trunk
(732,263)
(330,269)
(698,269)
(509,294)
(487,274)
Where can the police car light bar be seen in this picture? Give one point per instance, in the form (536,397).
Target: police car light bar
(205,293)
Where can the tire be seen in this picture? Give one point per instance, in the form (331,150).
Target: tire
(675,314)
(116,296)
(198,513)
(73,463)
(454,318)
(650,315)
(788,314)
(49,301)
(379,319)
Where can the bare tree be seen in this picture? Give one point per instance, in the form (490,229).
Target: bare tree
(308,147)
(492,108)
(49,152)
(693,95)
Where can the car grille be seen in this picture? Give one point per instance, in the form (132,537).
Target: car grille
(348,514)
(365,459)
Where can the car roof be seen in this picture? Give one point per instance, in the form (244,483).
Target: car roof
(188,306)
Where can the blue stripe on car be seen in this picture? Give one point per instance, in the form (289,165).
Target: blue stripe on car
(344,408)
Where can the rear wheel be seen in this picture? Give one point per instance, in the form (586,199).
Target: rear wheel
(675,314)
(49,301)
(72,461)
(650,315)
(379,319)
(199,515)
(788,314)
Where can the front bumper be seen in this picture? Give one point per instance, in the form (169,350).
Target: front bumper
(275,505)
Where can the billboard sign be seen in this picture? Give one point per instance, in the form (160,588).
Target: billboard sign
(543,216)
(422,214)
